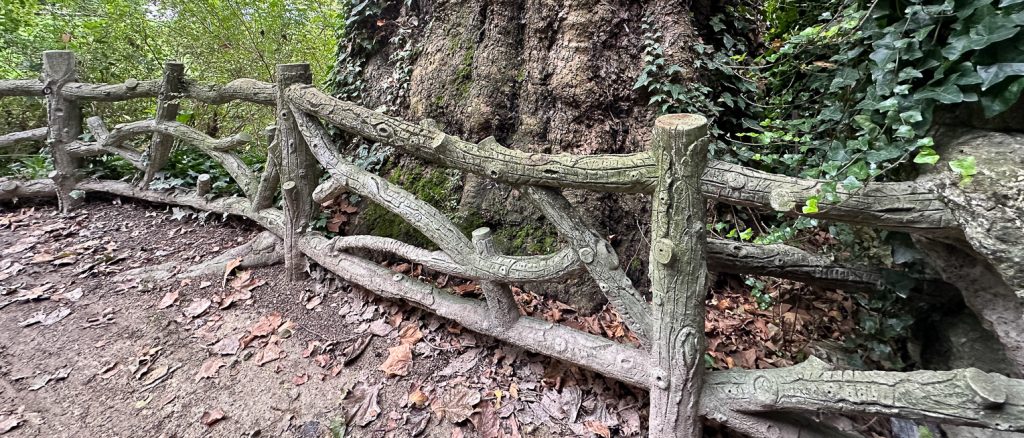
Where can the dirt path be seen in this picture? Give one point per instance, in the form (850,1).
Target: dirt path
(103,356)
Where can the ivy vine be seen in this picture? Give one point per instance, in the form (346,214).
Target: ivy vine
(845,90)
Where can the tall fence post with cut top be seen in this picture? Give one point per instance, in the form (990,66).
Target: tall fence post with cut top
(678,272)
(64,118)
(299,170)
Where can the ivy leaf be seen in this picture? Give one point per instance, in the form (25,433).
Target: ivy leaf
(905,131)
(845,77)
(992,29)
(747,234)
(966,167)
(947,93)
(995,73)
(1009,2)
(911,117)
(642,80)
(1001,99)
(927,156)
(811,206)
(858,170)
(852,184)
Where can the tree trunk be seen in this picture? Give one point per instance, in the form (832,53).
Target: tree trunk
(539,76)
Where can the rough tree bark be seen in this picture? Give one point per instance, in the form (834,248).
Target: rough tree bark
(537,76)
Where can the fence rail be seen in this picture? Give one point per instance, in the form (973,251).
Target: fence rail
(771,403)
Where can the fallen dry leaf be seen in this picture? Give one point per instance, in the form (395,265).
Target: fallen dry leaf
(313,302)
(197,307)
(209,368)
(228,267)
(486,420)
(227,346)
(266,325)
(45,319)
(418,398)
(212,416)
(231,298)
(410,334)
(43,380)
(298,380)
(10,423)
(270,353)
(398,361)
(168,299)
(355,349)
(360,405)
(156,374)
(598,428)
(456,404)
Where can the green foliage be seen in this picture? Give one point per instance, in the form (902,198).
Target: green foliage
(218,40)
(438,188)
(29,167)
(757,290)
(844,90)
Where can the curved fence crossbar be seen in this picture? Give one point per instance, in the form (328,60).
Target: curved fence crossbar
(771,403)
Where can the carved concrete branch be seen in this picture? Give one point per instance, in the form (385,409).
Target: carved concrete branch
(21,87)
(900,206)
(11,189)
(964,397)
(32,135)
(598,258)
(130,89)
(421,215)
(525,269)
(248,90)
(234,165)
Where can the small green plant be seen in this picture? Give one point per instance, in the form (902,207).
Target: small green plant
(757,290)
(32,167)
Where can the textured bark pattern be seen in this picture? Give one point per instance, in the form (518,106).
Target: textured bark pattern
(265,249)
(21,87)
(511,269)
(270,180)
(991,299)
(428,220)
(966,397)
(501,304)
(678,275)
(64,118)
(899,206)
(15,138)
(130,89)
(112,142)
(990,210)
(299,172)
(167,107)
